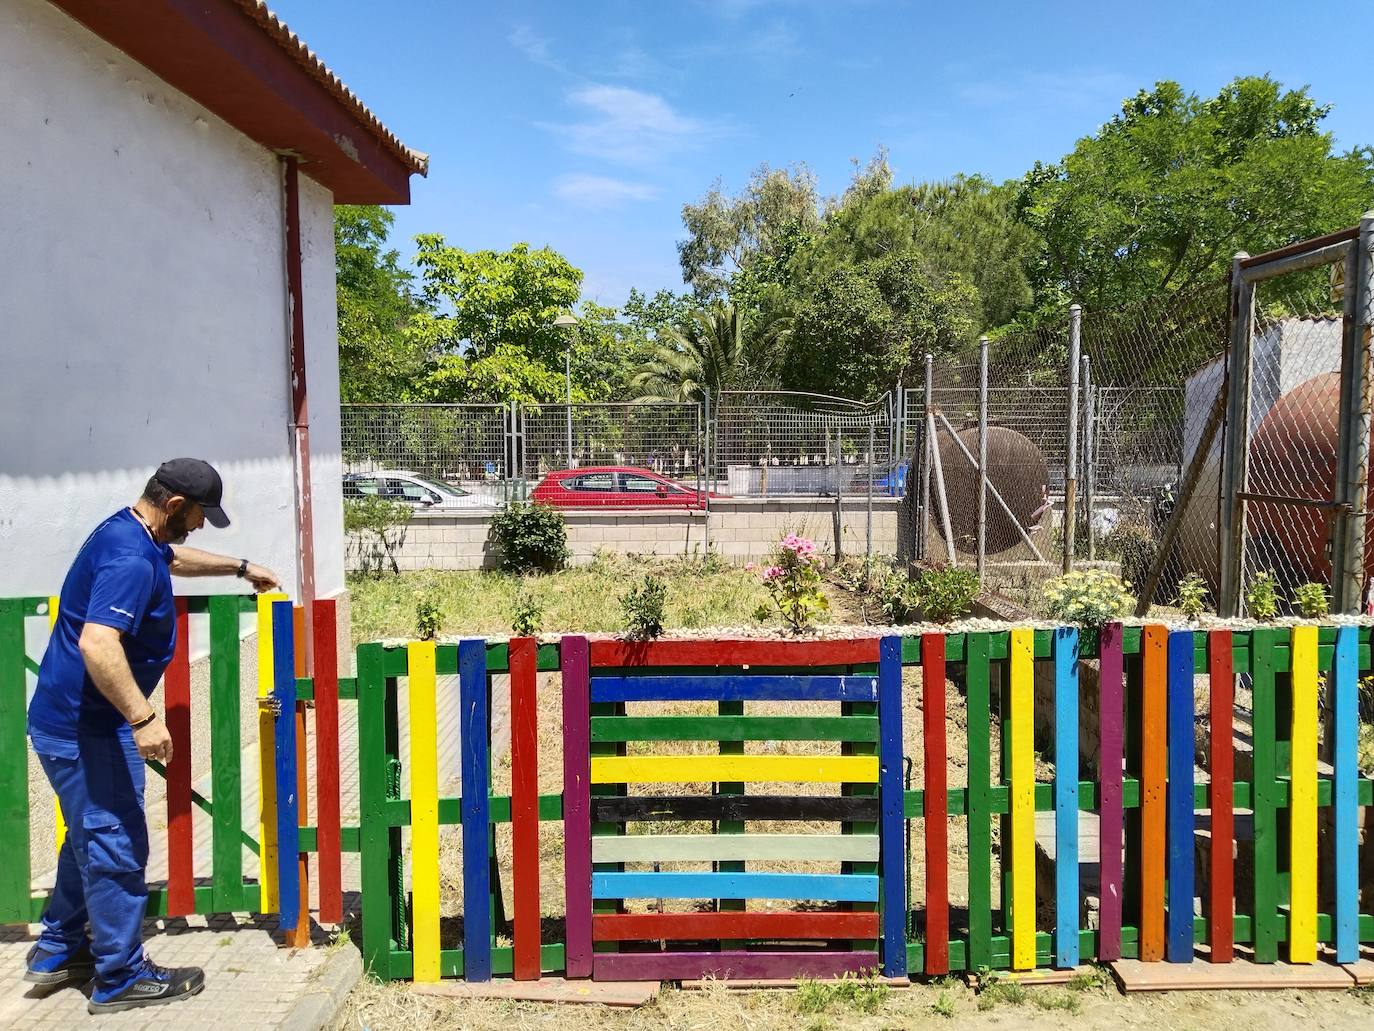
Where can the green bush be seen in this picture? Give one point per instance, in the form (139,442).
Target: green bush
(1089,598)
(794,583)
(1312,601)
(527,617)
(1135,546)
(1262,597)
(936,595)
(530,538)
(1192,595)
(643,606)
(427,619)
(380,527)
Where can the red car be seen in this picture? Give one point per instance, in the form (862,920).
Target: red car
(615,486)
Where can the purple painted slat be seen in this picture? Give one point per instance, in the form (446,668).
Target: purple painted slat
(692,966)
(577,825)
(1110,820)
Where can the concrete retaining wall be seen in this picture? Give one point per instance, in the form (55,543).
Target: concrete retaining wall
(741,531)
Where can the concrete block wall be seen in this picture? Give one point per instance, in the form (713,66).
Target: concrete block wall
(741,530)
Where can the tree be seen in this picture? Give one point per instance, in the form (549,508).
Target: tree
(379,361)
(1160,197)
(726,235)
(718,349)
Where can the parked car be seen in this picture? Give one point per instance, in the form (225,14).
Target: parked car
(615,486)
(423,492)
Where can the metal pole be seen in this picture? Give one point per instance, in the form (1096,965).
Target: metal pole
(567,375)
(982,457)
(868,519)
(992,487)
(1235,456)
(839,495)
(710,483)
(1089,456)
(940,488)
(1071,460)
(1352,459)
(924,537)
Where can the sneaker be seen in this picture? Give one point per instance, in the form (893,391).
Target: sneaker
(53,969)
(154,986)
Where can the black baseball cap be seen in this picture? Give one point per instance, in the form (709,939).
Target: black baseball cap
(197,481)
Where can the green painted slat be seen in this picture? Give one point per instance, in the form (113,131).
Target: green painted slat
(1265,830)
(225,755)
(734,728)
(374,828)
(348,689)
(14,767)
(980,814)
(396,811)
(551,961)
(31,666)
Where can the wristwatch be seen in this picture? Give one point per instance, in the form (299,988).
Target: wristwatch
(243,569)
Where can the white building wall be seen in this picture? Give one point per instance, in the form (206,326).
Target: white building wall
(144,316)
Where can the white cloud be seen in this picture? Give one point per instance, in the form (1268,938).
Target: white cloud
(534,47)
(601,192)
(627,125)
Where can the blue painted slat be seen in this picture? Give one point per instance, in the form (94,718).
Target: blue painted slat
(798,886)
(734,689)
(288,827)
(472,701)
(890,791)
(1345,711)
(1180,825)
(1066,890)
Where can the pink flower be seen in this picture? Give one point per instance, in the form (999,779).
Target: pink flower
(772,573)
(749,567)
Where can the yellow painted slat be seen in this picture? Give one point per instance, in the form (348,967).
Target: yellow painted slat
(1022,645)
(59,823)
(424,811)
(1302,934)
(267,763)
(689,769)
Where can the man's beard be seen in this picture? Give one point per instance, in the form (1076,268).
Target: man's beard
(176,529)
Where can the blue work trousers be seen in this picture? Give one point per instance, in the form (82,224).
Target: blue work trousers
(104,858)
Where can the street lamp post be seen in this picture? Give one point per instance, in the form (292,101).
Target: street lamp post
(568,321)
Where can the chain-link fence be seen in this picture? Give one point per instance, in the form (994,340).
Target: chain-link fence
(663,438)
(464,445)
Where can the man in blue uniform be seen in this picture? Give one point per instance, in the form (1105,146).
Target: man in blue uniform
(92,727)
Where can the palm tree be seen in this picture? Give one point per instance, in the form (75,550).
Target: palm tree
(716,350)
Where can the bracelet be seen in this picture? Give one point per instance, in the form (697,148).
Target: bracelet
(243,569)
(152,715)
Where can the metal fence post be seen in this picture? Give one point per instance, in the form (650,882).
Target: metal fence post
(923,538)
(868,518)
(710,481)
(1352,462)
(982,457)
(1089,456)
(1071,460)
(1235,458)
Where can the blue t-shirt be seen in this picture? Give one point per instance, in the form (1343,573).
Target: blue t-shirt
(121,578)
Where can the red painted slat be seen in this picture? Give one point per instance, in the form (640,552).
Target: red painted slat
(1221,908)
(176,691)
(734,653)
(524,809)
(691,966)
(609,927)
(936,804)
(329,858)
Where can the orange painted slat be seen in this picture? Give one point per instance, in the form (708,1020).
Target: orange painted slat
(1154,773)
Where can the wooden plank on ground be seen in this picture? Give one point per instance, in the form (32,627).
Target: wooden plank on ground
(755,984)
(1135,976)
(546,989)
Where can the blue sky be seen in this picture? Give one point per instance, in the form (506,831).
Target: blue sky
(585,126)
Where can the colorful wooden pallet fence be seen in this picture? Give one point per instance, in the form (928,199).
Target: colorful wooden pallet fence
(671,757)
(285,836)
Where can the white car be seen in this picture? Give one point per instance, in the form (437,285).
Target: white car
(423,492)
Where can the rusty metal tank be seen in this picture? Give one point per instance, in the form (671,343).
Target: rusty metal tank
(1016,467)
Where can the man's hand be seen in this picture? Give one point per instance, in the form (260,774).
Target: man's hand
(262,578)
(154,742)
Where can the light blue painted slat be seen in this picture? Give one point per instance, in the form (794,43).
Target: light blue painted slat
(1180,826)
(734,689)
(472,701)
(892,803)
(1066,891)
(288,830)
(1345,712)
(798,886)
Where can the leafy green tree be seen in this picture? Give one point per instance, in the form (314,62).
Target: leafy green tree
(379,361)
(1160,197)
(718,349)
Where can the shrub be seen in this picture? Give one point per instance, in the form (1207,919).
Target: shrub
(944,595)
(1134,544)
(383,521)
(427,619)
(1089,598)
(1192,595)
(1262,596)
(643,607)
(530,538)
(527,616)
(1312,601)
(794,583)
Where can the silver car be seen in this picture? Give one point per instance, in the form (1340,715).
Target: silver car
(425,493)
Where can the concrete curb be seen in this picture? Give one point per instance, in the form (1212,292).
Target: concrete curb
(318,1007)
